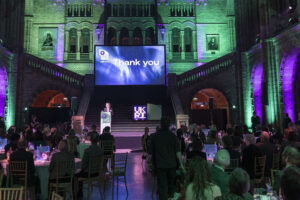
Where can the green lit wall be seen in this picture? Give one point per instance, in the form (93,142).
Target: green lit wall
(214,19)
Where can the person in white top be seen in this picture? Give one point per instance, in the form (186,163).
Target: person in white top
(199,183)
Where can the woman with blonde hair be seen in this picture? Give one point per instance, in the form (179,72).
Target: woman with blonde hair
(199,185)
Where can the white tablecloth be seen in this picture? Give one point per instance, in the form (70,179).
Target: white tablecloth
(42,171)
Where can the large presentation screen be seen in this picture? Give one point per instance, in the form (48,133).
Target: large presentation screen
(130,65)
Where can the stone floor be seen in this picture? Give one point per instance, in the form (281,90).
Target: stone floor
(139,182)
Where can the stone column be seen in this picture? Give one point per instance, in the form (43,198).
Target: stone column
(78,45)
(182,44)
(170,44)
(144,36)
(130,37)
(66,52)
(91,45)
(194,44)
(118,37)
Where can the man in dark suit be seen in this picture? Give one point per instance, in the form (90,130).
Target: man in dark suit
(227,142)
(219,176)
(22,155)
(249,153)
(62,155)
(165,152)
(267,149)
(93,132)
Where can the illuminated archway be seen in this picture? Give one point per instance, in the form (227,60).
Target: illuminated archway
(3,88)
(200,102)
(50,99)
(287,78)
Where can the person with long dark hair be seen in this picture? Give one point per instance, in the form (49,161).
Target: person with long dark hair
(199,185)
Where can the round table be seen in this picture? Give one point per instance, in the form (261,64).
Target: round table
(42,171)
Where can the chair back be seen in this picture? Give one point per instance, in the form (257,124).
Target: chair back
(11,193)
(234,163)
(108,148)
(276,161)
(120,163)
(274,176)
(56,196)
(1,177)
(95,166)
(259,168)
(18,172)
(72,145)
(64,171)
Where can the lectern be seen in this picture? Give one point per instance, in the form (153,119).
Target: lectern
(105,120)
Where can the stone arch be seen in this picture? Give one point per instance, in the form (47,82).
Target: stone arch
(188,24)
(176,40)
(175,24)
(111,36)
(50,98)
(124,36)
(137,36)
(199,105)
(287,80)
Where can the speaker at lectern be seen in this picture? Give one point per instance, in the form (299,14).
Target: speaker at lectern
(105,120)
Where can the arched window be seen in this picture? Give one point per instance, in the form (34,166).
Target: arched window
(137,37)
(85,40)
(111,36)
(124,36)
(188,39)
(176,40)
(72,40)
(150,38)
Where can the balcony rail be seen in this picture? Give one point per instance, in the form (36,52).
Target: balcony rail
(53,70)
(190,77)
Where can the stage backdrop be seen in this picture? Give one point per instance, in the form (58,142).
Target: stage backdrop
(130,65)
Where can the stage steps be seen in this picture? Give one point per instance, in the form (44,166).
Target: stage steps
(122,119)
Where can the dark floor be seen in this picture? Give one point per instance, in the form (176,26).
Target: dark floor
(139,182)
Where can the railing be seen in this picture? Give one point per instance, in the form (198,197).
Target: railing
(79,10)
(54,70)
(190,77)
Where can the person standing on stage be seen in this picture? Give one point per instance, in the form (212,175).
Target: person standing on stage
(108,108)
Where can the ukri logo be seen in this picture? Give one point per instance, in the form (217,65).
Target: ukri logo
(104,55)
(139,112)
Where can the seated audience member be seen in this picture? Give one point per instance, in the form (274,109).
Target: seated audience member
(54,137)
(239,185)
(38,138)
(196,151)
(290,184)
(22,155)
(107,136)
(267,149)
(11,146)
(62,155)
(212,137)
(291,141)
(93,132)
(95,153)
(198,134)
(72,141)
(249,153)
(219,176)
(199,182)
(290,158)
(28,134)
(227,144)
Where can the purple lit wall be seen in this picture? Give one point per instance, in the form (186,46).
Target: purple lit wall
(287,75)
(257,76)
(3,86)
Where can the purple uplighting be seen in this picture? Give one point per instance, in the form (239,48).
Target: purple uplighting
(287,74)
(3,86)
(257,83)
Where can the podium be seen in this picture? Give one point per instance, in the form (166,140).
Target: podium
(105,120)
